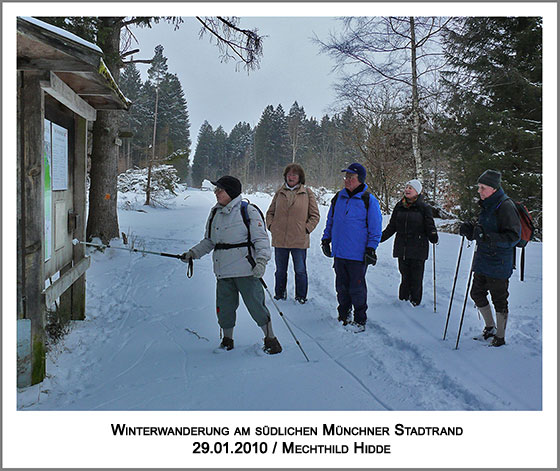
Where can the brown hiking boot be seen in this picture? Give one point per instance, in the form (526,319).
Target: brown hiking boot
(271,345)
(227,344)
(497,341)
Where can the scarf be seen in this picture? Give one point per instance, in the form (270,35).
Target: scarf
(407,203)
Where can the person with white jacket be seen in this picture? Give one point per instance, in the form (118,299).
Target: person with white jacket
(239,261)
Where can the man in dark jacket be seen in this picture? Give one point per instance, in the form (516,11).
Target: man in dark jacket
(354,230)
(413,222)
(497,232)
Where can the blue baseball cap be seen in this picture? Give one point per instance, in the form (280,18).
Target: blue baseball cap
(357,169)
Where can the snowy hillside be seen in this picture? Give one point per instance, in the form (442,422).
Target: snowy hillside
(149,338)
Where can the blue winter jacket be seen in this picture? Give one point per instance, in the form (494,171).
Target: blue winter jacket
(347,228)
(500,220)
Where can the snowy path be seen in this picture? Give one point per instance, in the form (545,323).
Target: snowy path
(150,333)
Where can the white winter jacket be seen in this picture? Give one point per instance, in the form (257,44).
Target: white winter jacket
(228,228)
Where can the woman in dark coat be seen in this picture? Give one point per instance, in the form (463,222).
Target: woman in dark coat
(414,225)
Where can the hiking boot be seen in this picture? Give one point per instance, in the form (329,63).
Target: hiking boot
(355,327)
(227,344)
(301,299)
(278,297)
(345,319)
(497,341)
(271,345)
(488,332)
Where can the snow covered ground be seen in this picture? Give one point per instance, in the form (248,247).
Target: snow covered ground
(150,332)
(149,338)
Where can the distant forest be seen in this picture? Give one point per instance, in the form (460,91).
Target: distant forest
(441,99)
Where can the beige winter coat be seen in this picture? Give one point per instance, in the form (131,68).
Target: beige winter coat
(291,217)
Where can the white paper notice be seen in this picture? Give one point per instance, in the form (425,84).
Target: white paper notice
(59,157)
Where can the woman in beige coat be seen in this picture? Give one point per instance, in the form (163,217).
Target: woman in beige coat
(291,217)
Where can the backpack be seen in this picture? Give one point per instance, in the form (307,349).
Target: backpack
(365,199)
(527,231)
(527,225)
(245,215)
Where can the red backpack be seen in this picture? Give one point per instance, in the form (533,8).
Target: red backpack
(527,231)
(527,226)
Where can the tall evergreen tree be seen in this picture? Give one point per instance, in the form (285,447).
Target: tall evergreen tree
(232,40)
(240,151)
(282,150)
(264,142)
(202,160)
(220,160)
(495,108)
(295,123)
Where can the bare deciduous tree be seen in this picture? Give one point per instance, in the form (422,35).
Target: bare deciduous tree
(397,52)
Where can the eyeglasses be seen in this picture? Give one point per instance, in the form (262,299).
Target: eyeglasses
(218,190)
(292,174)
(349,176)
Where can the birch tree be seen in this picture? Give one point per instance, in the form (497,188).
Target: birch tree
(401,52)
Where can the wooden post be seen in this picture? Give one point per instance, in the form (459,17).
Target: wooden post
(80,165)
(33,214)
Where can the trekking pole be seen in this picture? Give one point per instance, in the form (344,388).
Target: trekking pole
(453,289)
(434,270)
(163,254)
(102,246)
(465,302)
(282,316)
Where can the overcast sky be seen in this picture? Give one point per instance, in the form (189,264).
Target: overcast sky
(291,69)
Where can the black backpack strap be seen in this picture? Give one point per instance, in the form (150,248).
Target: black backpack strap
(366,199)
(333,201)
(209,230)
(247,222)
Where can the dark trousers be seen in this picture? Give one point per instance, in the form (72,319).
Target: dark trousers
(351,288)
(412,276)
(299,257)
(498,288)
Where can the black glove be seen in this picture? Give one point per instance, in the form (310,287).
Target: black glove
(326,247)
(370,257)
(480,234)
(466,230)
(433,237)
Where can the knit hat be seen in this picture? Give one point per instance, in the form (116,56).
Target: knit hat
(491,178)
(358,169)
(416,185)
(231,185)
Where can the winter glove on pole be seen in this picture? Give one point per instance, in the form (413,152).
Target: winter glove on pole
(186,256)
(433,237)
(370,257)
(480,234)
(466,230)
(259,268)
(326,247)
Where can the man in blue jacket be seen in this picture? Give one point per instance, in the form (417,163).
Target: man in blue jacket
(354,230)
(497,232)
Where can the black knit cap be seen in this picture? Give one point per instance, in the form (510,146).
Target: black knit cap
(231,185)
(491,178)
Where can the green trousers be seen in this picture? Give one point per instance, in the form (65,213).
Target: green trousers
(227,300)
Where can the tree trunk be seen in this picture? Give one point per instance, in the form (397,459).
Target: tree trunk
(415,105)
(102,218)
(150,163)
